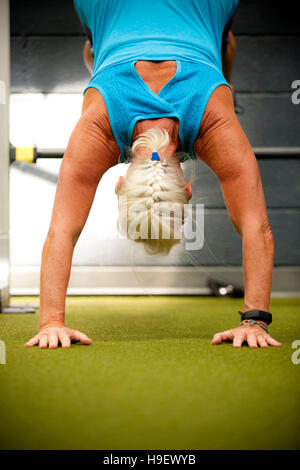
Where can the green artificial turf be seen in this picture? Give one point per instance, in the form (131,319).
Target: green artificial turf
(150,379)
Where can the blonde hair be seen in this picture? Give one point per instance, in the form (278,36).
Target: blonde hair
(152,196)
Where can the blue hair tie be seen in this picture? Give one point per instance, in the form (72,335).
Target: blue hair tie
(155,156)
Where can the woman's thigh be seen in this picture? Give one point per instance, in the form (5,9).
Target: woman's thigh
(222,144)
(94,108)
(91,151)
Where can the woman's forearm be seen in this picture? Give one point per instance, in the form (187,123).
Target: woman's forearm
(55,273)
(258,248)
(258,253)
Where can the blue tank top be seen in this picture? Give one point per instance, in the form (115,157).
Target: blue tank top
(124,30)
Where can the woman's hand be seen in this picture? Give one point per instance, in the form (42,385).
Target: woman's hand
(51,336)
(253,335)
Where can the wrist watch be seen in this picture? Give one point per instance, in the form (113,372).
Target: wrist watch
(256,315)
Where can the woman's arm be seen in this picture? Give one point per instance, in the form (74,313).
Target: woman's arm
(90,152)
(224,147)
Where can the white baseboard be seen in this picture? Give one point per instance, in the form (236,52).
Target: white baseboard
(149,280)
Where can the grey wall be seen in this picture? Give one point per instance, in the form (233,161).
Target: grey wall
(47,42)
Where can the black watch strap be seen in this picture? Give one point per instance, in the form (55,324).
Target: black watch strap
(257,315)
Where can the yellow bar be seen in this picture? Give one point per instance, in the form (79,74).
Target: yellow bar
(25,154)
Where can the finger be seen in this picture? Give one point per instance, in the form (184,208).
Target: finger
(261,340)
(238,340)
(223,336)
(273,341)
(227,335)
(64,340)
(217,339)
(32,342)
(43,341)
(53,341)
(81,337)
(251,340)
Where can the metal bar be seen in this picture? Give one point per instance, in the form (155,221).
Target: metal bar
(272,152)
(4,151)
(49,153)
(30,155)
(277,152)
(4,163)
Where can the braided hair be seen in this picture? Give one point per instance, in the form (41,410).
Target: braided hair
(152,197)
